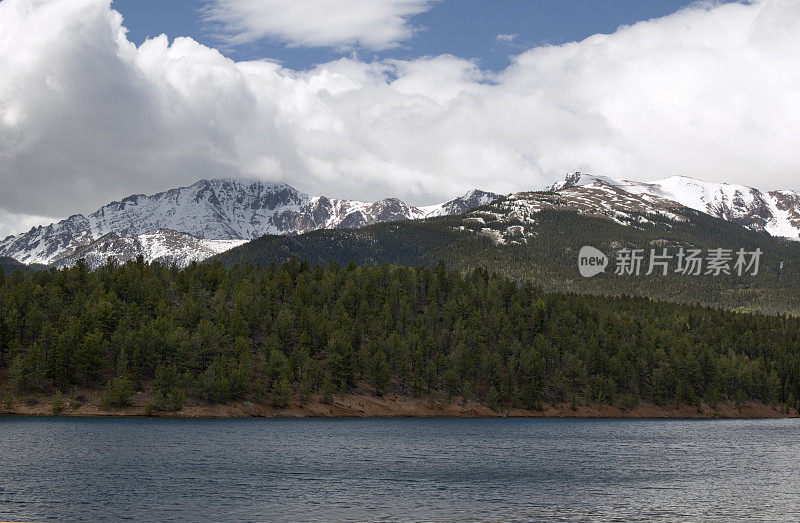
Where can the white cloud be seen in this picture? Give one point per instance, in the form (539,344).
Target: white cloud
(13,223)
(86,117)
(372,24)
(507,38)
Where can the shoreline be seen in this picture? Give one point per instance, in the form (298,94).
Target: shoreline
(369,406)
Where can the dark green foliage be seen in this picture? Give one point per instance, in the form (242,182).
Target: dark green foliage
(548,256)
(10,265)
(292,332)
(58,404)
(168,392)
(225,379)
(171,402)
(118,393)
(380,373)
(281,392)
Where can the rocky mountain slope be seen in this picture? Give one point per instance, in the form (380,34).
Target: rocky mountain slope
(210,216)
(537,237)
(775,212)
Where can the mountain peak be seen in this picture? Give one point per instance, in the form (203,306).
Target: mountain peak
(470,200)
(471,193)
(772,212)
(242,185)
(208,215)
(579,179)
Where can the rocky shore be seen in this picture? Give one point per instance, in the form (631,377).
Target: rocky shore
(367,405)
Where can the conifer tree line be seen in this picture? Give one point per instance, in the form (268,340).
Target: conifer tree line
(295,332)
(548,255)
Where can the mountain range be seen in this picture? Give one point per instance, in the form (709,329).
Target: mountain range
(536,237)
(192,223)
(209,217)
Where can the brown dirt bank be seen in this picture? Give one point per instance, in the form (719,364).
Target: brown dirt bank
(369,406)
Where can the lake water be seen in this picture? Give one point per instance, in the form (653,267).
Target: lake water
(442,469)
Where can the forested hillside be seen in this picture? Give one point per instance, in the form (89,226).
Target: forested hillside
(295,332)
(9,265)
(546,253)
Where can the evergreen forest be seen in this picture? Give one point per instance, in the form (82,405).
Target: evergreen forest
(295,332)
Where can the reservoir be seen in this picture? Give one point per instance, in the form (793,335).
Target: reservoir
(398,469)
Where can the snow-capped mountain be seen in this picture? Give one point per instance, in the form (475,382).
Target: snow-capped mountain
(471,200)
(207,217)
(513,219)
(776,212)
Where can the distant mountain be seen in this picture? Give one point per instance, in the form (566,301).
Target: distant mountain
(191,223)
(536,237)
(211,216)
(775,212)
(162,245)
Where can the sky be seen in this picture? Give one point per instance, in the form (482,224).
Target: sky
(465,28)
(364,99)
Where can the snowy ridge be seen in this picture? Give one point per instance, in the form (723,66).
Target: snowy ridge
(163,245)
(512,220)
(470,200)
(776,212)
(635,204)
(192,223)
